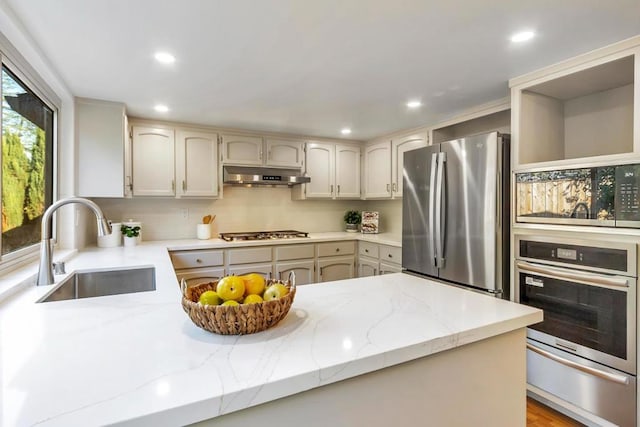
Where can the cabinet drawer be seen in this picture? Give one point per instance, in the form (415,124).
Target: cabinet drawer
(294,252)
(390,254)
(249,255)
(199,275)
(265,270)
(336,248)
(194,259)
(368,249)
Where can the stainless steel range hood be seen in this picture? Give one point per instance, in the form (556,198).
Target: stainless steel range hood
(248,176)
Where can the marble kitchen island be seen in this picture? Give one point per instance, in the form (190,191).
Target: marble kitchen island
(354,352)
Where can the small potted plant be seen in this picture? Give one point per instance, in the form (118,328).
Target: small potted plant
(130,234)
(352,219)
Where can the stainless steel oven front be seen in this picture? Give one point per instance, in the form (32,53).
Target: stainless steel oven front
(587,290)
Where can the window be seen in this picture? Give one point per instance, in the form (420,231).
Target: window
(27,163)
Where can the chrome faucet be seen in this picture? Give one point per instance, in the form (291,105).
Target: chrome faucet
(45,272)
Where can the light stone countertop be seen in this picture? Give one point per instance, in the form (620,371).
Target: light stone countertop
(136,359)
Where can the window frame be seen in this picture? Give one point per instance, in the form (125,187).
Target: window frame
(20,68)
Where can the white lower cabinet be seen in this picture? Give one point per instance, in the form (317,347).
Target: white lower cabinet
(304,271)
(336,268)
(375,259)
(198,266)
(250,260)
(336,261)
(387,268)
(297,258)
(265,270)
(367,267)
(312,263)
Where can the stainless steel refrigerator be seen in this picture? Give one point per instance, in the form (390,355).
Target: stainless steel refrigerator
(455,212)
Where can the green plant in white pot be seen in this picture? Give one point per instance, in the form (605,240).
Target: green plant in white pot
(352,220)
(130,234)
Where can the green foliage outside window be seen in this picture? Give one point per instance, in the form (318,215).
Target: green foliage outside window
(27,129)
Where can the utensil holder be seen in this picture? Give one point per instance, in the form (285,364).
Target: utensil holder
(203,231)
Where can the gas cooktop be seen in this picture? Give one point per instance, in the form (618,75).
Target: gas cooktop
(263,235)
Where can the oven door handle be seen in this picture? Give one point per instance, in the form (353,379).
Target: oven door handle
(584,277)
(616,378)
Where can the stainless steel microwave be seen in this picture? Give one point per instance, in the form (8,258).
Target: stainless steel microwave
(602,196)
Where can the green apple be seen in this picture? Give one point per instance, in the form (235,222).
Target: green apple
(275,291)
(209,298)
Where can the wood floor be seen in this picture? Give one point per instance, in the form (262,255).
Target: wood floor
(539,415)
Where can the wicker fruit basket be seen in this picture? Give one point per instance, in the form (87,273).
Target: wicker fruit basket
(240,319)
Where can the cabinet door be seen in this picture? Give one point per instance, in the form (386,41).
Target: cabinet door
(398,148)
(304,271)
(200,275)
(377,171)
(386,268)
(367,267)
(320,167)
(330,269)
(153,162)
(265,270)
(197,164)
(347,172)
(241,150)
(101,129)
(284,153)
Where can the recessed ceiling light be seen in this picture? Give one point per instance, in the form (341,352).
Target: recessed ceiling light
(414,104)
(522,36)
(161,108)
(345,131)
(165,57)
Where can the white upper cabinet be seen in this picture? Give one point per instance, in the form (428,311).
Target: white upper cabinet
(178,162)
(196,164)
(241,150)
(334,170)
(398,148)
(377,171)
(347,172)
(246,150)
(284,153)
(153,161)
(584,110)
(101,136)
(321,169)
(383,163)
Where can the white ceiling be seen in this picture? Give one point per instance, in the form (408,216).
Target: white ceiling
(312,66)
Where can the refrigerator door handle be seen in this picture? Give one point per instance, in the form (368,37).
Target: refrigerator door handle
(438,211)
(431,213)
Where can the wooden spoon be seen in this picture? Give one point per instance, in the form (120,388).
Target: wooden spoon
(206,219)
(212,219)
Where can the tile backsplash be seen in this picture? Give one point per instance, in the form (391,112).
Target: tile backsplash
(242,209)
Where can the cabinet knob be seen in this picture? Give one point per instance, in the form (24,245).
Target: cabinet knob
(390,256)
(337,249)
(366,250)
(198,260)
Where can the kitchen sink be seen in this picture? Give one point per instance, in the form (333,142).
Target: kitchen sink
(98,283)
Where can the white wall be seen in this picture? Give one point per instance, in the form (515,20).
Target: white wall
(27,51)
(241,209)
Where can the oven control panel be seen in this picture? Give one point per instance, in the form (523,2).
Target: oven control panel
(627,191)
(587,256)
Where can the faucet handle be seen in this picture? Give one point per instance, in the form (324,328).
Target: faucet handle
(58,267)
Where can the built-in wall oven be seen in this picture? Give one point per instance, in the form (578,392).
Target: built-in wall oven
(584,351)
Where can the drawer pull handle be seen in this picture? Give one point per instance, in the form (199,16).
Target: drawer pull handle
(198,260)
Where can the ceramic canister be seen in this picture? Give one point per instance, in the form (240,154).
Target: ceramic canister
(132,223)
(111,240)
